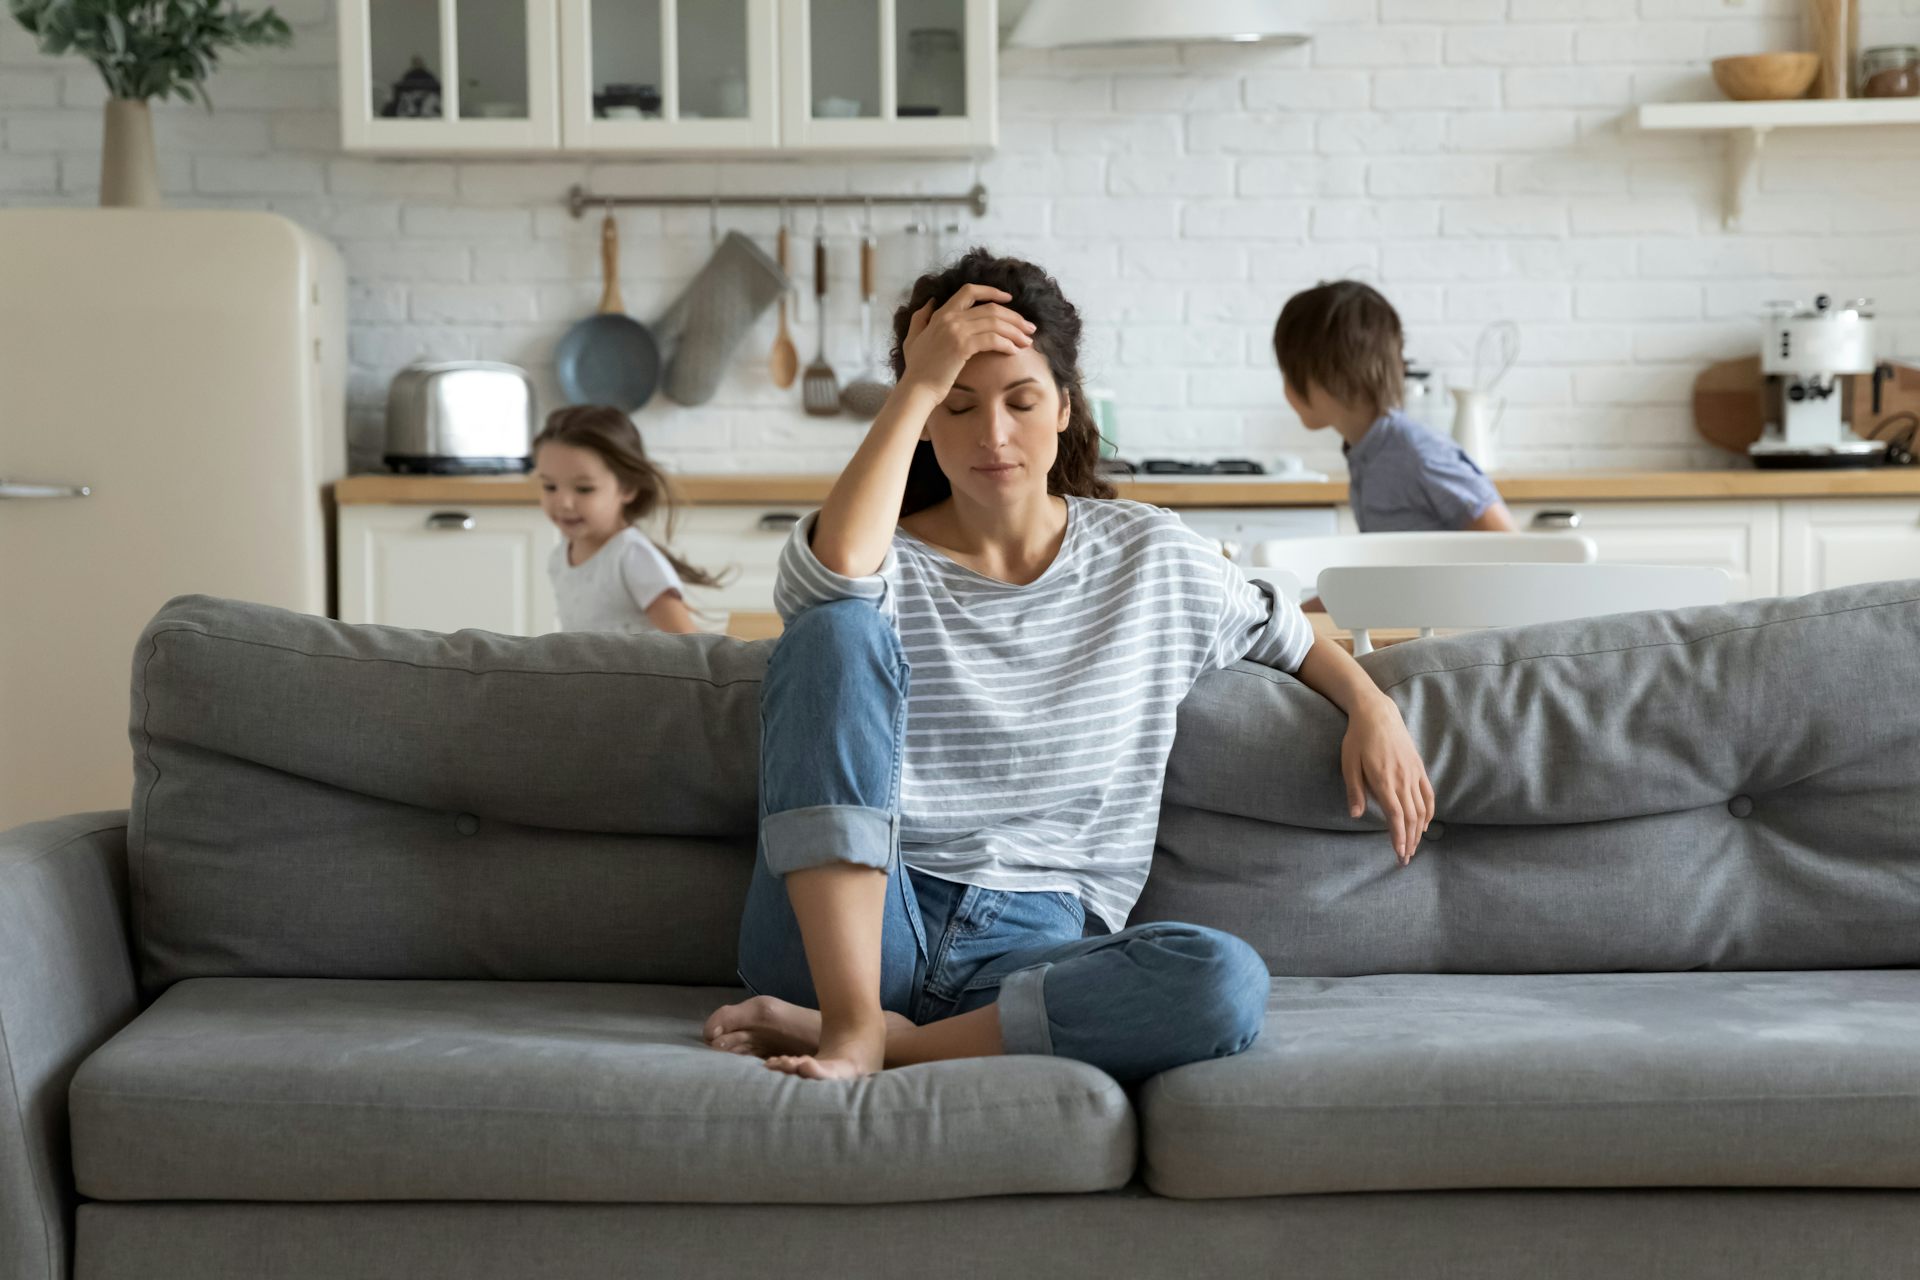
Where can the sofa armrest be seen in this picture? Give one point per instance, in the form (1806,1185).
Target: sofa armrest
(66,985)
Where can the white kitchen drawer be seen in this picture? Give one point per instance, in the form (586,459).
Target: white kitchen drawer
(1834,544)
(1742,538)
(1238,529)
(744,540)
(447,568)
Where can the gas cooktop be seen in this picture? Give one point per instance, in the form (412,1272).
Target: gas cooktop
(1287,468)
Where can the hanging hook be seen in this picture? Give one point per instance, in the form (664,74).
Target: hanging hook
(713,221)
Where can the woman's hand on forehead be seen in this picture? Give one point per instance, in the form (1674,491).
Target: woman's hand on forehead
(974,321)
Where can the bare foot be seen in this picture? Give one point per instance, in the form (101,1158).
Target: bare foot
(766,1027)
(843,1055)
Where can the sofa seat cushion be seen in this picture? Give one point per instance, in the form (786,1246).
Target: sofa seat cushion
(319,1089)
(1441,1081)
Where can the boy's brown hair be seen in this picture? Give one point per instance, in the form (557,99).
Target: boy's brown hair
(1344,338)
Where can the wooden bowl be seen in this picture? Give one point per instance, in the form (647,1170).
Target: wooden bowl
(1766,77)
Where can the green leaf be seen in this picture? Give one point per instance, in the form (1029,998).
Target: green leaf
(149,48)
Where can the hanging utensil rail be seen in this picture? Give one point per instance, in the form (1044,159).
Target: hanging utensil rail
(580,200)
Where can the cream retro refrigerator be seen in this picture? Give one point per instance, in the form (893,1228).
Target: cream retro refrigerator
(171,416)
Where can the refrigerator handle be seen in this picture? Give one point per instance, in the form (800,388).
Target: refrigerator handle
(16,489)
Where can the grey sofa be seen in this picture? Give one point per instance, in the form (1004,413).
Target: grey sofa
(397,965)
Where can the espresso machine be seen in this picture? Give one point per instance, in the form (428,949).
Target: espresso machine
(1807,358)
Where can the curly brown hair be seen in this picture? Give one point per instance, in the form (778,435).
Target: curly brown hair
(609,432)
(1037,296)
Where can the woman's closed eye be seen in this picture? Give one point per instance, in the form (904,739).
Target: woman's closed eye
(957,409)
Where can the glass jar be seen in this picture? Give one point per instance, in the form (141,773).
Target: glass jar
(1890,71)
(1420,397)
(934,80)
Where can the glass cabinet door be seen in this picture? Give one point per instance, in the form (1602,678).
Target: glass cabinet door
(666,74)
(448,75)
(889,73)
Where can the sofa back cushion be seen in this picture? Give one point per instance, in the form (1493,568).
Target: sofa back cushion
(1732,787)
(318,799)
(1725,788)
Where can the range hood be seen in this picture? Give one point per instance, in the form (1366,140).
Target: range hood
(1064,24)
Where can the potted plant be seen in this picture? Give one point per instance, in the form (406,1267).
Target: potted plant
(144,49)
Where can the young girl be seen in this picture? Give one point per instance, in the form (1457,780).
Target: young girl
(595,483)
(965,728)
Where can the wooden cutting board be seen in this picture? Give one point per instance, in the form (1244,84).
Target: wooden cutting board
(1729,405)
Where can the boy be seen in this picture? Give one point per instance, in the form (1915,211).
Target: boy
(1339,350)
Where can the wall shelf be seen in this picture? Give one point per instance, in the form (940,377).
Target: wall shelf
(1747,125)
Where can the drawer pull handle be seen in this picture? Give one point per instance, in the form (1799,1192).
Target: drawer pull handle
(21,489)
(776,521)
(1555,520)
(449,520)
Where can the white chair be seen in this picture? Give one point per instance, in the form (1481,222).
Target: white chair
(1306,558)
(1361,598)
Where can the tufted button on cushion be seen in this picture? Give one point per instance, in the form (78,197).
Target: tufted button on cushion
(1740,806)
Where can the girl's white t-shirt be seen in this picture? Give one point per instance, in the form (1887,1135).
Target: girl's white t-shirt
(611,590)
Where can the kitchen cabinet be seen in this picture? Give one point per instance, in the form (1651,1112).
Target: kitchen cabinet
(1742,538)
(1829,544)
(860,75)
(743,543)
(447,568)
(669,75)
(639,77)
(457,75)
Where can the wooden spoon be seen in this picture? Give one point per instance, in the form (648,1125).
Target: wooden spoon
(785,362)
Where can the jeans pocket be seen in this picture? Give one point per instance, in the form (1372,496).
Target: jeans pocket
(1075,908)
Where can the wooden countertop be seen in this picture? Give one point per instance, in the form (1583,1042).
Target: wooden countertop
(1573,486)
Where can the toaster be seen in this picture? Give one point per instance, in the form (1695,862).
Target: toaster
(459,417)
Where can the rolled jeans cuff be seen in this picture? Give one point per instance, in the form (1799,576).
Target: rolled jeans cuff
(823,834)
(1023,1012)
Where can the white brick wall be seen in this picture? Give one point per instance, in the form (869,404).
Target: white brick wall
(1468,156)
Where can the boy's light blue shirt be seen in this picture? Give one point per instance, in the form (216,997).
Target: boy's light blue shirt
(1405,478)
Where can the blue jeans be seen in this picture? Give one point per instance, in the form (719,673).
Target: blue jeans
(833,714)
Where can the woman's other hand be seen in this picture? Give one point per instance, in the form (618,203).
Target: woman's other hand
(973,321)
(1378,756)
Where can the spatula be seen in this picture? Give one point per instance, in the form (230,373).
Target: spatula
(820,390)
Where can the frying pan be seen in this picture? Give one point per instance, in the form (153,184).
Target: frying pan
(609,358)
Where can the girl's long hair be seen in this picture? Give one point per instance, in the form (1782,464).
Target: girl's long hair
(1037,296)
(610,433)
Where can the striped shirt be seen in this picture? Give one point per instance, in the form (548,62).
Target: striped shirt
(1040,717)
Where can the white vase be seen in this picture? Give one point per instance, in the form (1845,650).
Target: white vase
(1476,424)
(128,177)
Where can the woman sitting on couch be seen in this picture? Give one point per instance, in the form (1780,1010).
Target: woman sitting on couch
(965,728)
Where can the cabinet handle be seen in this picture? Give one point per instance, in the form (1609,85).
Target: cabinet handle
(1555,520)
(775,521)
(449,520)
(20,489)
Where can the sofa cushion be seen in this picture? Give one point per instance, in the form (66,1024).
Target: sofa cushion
(1726,788)
(1428,1082)
(315,799)
(318,1089)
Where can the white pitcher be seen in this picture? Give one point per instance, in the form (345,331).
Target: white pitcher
(1476,424)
